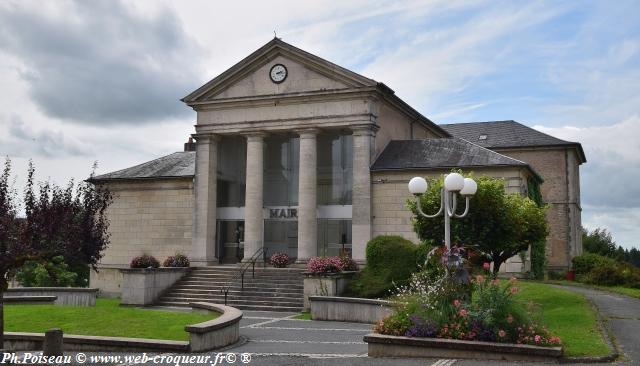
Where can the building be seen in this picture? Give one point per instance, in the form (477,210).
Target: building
(300,155)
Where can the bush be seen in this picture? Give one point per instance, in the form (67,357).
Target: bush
(144,261)
(348,264)
(583,264)
(178,260)
(605,276)
(390,262)
(324,265)
(557,275)
(55,273)
(279,260)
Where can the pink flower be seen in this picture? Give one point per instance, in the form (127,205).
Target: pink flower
(456,303)
(514,290)
(537,338)
(486,266)
(480,279)
(462,313)
(510,319)
(512,280)
(502,333)
(494,282)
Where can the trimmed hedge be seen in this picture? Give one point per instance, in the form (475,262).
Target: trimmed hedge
(391,260)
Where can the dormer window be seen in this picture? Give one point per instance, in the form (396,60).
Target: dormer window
(482,137)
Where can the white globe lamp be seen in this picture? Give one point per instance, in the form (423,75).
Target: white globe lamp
(417,186)
(470,187)
(453,182)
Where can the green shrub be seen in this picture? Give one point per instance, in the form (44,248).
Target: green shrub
(605,276)
(583,264)
(391,260)
(557,275)
(55,273)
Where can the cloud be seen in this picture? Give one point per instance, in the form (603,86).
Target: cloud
(24,141)
(621,222)
(101,62)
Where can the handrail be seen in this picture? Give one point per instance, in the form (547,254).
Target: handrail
(243,269)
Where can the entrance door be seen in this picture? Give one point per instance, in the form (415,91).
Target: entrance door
(230,241)
(281,236)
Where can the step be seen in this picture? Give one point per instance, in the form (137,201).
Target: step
(295,309)
(238,284)
(233,302)
(235,292)
(246,278)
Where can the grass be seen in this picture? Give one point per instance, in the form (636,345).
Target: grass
(107,318)
(633,292)
(305,315)
(567,315)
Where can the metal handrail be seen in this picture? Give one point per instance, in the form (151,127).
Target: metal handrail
(243,269)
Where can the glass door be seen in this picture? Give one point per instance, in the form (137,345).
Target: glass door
(230,241)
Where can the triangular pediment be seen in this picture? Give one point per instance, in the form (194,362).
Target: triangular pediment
(250,77)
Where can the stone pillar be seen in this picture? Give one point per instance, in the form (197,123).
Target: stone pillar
(204,209)
(53,343)
(253,217)
(361,216)
(307,196)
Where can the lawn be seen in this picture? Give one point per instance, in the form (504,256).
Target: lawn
(567,315)
(107,318)
(305,315)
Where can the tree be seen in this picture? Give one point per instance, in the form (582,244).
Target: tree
(599,241)
(58,221)
(498,224)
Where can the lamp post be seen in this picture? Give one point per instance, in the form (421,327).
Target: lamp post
(454,184)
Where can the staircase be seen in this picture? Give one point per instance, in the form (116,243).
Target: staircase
(272,289)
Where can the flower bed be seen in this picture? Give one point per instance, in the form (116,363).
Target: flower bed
(444,301)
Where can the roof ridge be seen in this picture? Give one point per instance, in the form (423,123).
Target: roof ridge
(495,152)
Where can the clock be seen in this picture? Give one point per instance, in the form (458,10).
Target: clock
(278,73)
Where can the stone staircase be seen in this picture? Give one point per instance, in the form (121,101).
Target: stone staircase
(272,289)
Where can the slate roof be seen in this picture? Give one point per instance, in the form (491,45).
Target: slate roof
(176,165)
(440,153)
(506,134)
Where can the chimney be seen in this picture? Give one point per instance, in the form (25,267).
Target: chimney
(190,145)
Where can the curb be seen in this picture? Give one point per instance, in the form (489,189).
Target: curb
(608,337)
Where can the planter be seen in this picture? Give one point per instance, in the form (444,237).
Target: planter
(391,346)
(144,286)
(349,309)
(325,284)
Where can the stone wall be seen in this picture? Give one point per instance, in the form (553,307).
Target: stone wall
(559,168)
(146,217)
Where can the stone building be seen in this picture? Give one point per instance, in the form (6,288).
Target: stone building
(296,154)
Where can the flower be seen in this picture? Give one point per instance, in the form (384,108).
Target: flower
(514,290)
(486,266)
(512,280)
(510,319)
(456,303)
(480,278)
(502,333)
(494,282)
(537,338)
(462,313)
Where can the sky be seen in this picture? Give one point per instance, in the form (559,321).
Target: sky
(85,81)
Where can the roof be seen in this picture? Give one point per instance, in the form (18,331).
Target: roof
(176,165)
(276,47)
(441,153)
(507,134)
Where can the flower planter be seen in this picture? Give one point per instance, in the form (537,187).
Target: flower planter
(144,286)
(325,284)
(392,346)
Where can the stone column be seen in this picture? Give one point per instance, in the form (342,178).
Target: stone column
(204,217)
(361,216)
(253,207)
(307,196)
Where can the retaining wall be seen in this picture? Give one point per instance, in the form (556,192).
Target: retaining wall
(349,309)
(76,296)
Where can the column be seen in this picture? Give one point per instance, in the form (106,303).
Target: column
(361,216)
(253,217)
(307,196)
(203,243)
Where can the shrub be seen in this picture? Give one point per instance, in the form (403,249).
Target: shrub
(557,275)
(178,260)
(391,260)
(605,276)
(144,261)
(279,260)
(583,264)
(324,265)
(55,273)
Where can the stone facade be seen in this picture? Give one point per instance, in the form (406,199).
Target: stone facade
(146,217)
(561,191)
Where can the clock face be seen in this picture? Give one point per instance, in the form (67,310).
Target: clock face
(278,73)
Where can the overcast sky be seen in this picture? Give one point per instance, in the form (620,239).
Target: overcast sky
(82,81)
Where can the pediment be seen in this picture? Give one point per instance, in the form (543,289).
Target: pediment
(250,77)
